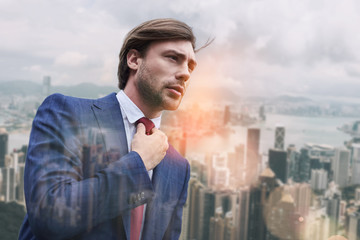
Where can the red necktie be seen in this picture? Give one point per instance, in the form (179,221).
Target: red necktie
(148,124)
(137,213)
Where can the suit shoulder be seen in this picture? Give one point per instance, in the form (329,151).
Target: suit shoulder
(60,98)
(176,156)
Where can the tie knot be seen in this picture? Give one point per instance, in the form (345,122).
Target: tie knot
(148,124)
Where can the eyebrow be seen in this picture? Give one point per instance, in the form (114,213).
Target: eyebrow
(192,63)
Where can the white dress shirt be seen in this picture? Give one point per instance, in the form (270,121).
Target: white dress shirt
(131,113)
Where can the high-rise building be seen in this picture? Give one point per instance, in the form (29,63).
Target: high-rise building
(262,115)
(357,194)
(201,209)
(304,166)
(21,195)
(293,163)
(319,179)
(8,184)
(217,225)
(236,166)
(283,222)
(354,226)
(227,115)
(355,177)
(341,166)
(220,174)
(301,193)
(230,230)
(257,228)
(278,163)
(333,210)
(242,213)
(207,210)
(252,154)
(4,137)
(46,85)
(194,208)
(226,199)
(317,226)
(279,137)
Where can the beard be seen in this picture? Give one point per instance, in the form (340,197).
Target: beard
(152,91)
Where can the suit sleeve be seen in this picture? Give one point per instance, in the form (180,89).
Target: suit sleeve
(60,202)
(174,229)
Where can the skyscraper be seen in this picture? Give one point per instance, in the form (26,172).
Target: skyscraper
(201,209)
(332,210)
(293,163)
(217,225)
(194,207)
(279,137)
(278,164)
(257,205)
(242,213)
(282,220)
(206,211)
(354,226)
(340,166)
(230,230)
(304,166)
(227,115)
(3,146)
(301,193)
(319,179)
(21,195)
(357,194)
(46,85)
(220,173)
(355,177)
(8,184)
(262,115)
(252,154)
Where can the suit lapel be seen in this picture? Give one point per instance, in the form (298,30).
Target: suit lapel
(109,118)
(108,115)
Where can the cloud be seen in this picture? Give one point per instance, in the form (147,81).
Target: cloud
(71,59)
(33,68)
(294,46)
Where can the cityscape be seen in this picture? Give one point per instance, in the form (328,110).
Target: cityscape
(242,188)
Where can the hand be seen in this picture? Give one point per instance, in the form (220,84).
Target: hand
(151,148)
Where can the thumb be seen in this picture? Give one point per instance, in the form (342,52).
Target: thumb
(140,128)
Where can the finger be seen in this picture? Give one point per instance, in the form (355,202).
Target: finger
(140,128)
(154,130)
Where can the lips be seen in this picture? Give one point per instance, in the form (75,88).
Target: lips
(177,88)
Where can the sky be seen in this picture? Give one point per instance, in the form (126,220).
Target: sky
(261,47)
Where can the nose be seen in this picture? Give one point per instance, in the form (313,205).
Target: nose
(183,73)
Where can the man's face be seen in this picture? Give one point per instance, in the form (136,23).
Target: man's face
(163,74)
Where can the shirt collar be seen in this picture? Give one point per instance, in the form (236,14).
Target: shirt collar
(132,112)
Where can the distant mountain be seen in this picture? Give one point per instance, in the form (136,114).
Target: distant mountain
(28,88)
(293,99)
(85,90)
(20,87)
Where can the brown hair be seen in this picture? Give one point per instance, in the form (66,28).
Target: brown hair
(141,36)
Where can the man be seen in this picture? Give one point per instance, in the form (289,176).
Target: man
(91,173)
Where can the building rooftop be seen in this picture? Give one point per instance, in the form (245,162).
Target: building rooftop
(267,173)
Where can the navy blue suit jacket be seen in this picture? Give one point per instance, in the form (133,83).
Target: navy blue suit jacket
(81,182)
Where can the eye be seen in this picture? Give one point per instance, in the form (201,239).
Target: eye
(173,57)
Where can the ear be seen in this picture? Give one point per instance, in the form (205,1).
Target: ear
(133,58)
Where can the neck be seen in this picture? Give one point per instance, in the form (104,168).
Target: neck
(133,94)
